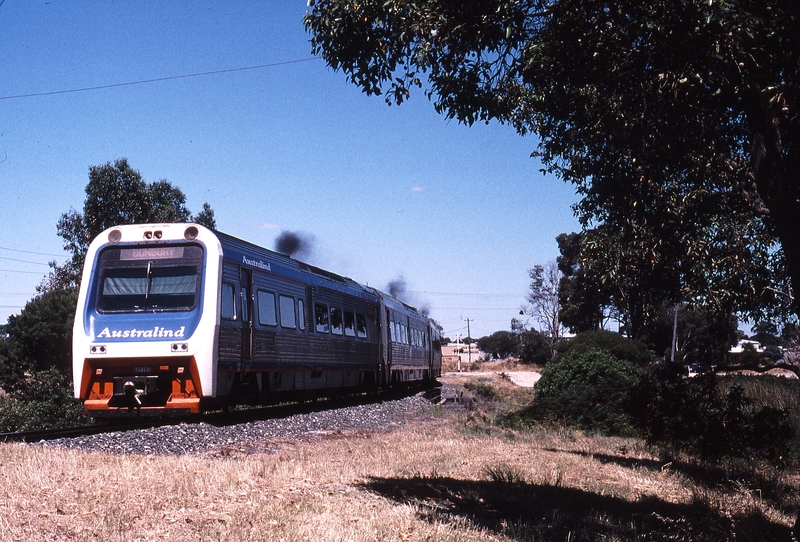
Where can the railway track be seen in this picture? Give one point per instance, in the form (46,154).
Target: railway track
(217,418)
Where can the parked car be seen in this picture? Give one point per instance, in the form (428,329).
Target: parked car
(698,368)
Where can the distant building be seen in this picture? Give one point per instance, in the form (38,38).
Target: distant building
(467,352)
(740,346)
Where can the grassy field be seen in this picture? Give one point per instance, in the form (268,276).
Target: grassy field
(455,476)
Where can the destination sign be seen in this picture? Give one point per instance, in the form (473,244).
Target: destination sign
(151,253)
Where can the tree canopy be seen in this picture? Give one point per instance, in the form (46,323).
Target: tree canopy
(676,120)
(116,194)
(39,337)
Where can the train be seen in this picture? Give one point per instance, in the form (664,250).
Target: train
(177,319)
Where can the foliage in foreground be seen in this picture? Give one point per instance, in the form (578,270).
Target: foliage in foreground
(39,337)
(713,418)
(46,402)
(585,390)
(698,415)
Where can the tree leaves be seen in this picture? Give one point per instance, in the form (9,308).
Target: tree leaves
(675,120)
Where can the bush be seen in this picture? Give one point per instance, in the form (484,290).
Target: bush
(615,344)
(46,402)
(587,390)
(694,415)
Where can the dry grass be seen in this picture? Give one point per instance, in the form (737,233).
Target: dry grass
(454,478)
(509,364)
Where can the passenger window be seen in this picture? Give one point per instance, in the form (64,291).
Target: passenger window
(266,309)
(321,317)
(361,325)
(349,324)
(288,319)
(336,321)
(301,314)
(228,308)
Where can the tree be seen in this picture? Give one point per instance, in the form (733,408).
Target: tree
(500,344)
(535,348)
(543,298)
(703,335)
(116,194)
(584,300)
(676,120)
(632,272)
(39,338)
(206,217)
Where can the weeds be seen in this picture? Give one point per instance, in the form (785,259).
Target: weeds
(432,482)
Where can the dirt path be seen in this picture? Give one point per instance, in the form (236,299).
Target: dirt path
(525,379)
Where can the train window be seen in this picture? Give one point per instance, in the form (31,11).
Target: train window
(349,324)
(301,314)
(361,325)
(148,288)
(266,309)
(336,321)
(228,308)
(287,311)
(403,334)
(321,317)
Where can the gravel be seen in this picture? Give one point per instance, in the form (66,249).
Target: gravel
(264,436)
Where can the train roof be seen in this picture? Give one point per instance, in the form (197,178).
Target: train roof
(236,249)
(259,257)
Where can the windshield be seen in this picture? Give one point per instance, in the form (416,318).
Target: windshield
(133,280)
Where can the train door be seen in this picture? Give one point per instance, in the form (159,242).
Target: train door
(390,336)
(246,295)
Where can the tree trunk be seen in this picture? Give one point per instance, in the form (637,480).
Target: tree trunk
(775,170)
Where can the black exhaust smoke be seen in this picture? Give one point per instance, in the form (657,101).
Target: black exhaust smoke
(294,244)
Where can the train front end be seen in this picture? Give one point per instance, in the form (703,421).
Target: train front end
(146,321)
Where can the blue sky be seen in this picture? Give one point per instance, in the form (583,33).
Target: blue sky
(459,213)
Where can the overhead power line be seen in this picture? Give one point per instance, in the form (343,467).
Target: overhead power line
(17,271)
(31,252)
(156,80)
(460,294)
(22,261)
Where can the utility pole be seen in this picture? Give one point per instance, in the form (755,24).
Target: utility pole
(674,335)
(469,344)
(458,351)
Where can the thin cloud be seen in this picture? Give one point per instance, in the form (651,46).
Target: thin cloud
(418,189)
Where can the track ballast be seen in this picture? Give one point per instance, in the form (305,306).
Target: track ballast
(251,436)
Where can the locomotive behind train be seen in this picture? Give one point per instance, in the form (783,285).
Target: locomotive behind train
(175,319)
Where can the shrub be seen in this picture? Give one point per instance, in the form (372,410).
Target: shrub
(46,402)
(695,415)
(615,344)
(587,390)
